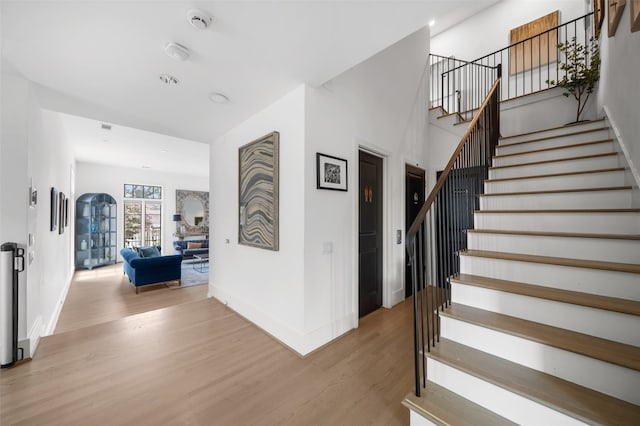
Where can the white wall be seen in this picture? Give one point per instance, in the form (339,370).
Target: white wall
(488,30)
(35,150)
(100,178)
(14,128)
(379,105)
(619,88)
(265,286)
(306,294)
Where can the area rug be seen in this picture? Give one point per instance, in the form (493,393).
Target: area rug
(191,276)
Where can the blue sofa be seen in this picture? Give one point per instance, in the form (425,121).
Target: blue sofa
(150,270)
(187,253)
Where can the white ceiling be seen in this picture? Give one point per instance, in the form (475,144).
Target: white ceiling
(102,59)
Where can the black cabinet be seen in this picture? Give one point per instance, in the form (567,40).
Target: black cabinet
(95,241)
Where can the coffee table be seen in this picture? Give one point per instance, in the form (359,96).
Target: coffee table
(201,262)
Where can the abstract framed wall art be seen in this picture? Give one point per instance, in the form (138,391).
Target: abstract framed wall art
(635,15)
(331,172)
(258,193)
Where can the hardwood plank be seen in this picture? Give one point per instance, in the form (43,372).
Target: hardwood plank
(557,234)
(550,128)
(594,347)
(105,294)
(614,304)
(557,191)
(444,407)
(554,137)
(556,160)
(617,169)
(535,151)
(202,363)
(576,263)
(572,399)
(562,211)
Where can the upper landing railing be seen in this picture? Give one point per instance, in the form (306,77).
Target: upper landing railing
(460,86)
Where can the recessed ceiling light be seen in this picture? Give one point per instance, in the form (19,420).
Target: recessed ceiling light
(163,151)
(176,51)
(199,19)
(432,22)
(218,98)
(146,166)
(105,126)
(168,79)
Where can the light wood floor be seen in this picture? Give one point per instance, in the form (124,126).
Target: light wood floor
(105,294)
(200,363)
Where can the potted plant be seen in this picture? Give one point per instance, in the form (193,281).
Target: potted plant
(581,71)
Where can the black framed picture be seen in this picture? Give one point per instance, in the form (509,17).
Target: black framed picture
(331,172)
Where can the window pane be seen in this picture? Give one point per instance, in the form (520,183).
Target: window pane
(148,192)
(157,192)
(152,228)
(128,191)
(132,224)
(138,191)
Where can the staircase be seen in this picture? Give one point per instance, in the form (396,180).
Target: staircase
(544,322)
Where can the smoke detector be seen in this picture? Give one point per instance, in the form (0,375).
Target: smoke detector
(199,19)
(176,51)
(218,98)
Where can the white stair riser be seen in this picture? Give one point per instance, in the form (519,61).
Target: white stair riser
(611,199)
(595,223)
(568,152)
(609,250)
(595,281)
(506,147)
(587,180)
(501,401)
(610,379)
(582,319)
(416,419)
(554,132)
(580,165)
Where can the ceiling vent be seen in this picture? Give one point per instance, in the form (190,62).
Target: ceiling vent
(199,19)
(105,126)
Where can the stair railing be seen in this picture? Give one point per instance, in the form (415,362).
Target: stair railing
(439,231)
(528,65)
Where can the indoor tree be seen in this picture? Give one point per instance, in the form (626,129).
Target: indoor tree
(581,68)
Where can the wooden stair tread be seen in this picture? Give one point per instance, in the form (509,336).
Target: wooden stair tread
(558,191)
(585,172)
(582,132)
(443,407)
(569,398)
(554,148)
(550,128)
(613,304)
(557,234)
(617,353)
(556,160)
(560,261)
(572,211)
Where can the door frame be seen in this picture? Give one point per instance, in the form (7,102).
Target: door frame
(361,145)
(408,168)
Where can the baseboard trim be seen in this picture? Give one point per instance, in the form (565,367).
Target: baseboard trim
(299,342)
(51,326)
(625,151)
(30,343)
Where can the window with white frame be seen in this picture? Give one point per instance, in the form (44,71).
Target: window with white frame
(142,215)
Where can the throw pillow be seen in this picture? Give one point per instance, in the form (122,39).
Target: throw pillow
(194,245)
(149,251)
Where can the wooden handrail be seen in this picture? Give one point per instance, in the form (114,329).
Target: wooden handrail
(413,230)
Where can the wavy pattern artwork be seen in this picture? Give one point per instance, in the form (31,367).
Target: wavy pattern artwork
(258,192)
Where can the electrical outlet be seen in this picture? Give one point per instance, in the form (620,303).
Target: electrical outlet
(399,236)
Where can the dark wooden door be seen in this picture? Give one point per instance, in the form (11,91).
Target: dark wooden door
(370,232)
(414,199)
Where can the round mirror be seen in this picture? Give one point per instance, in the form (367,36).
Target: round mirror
(192,211)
